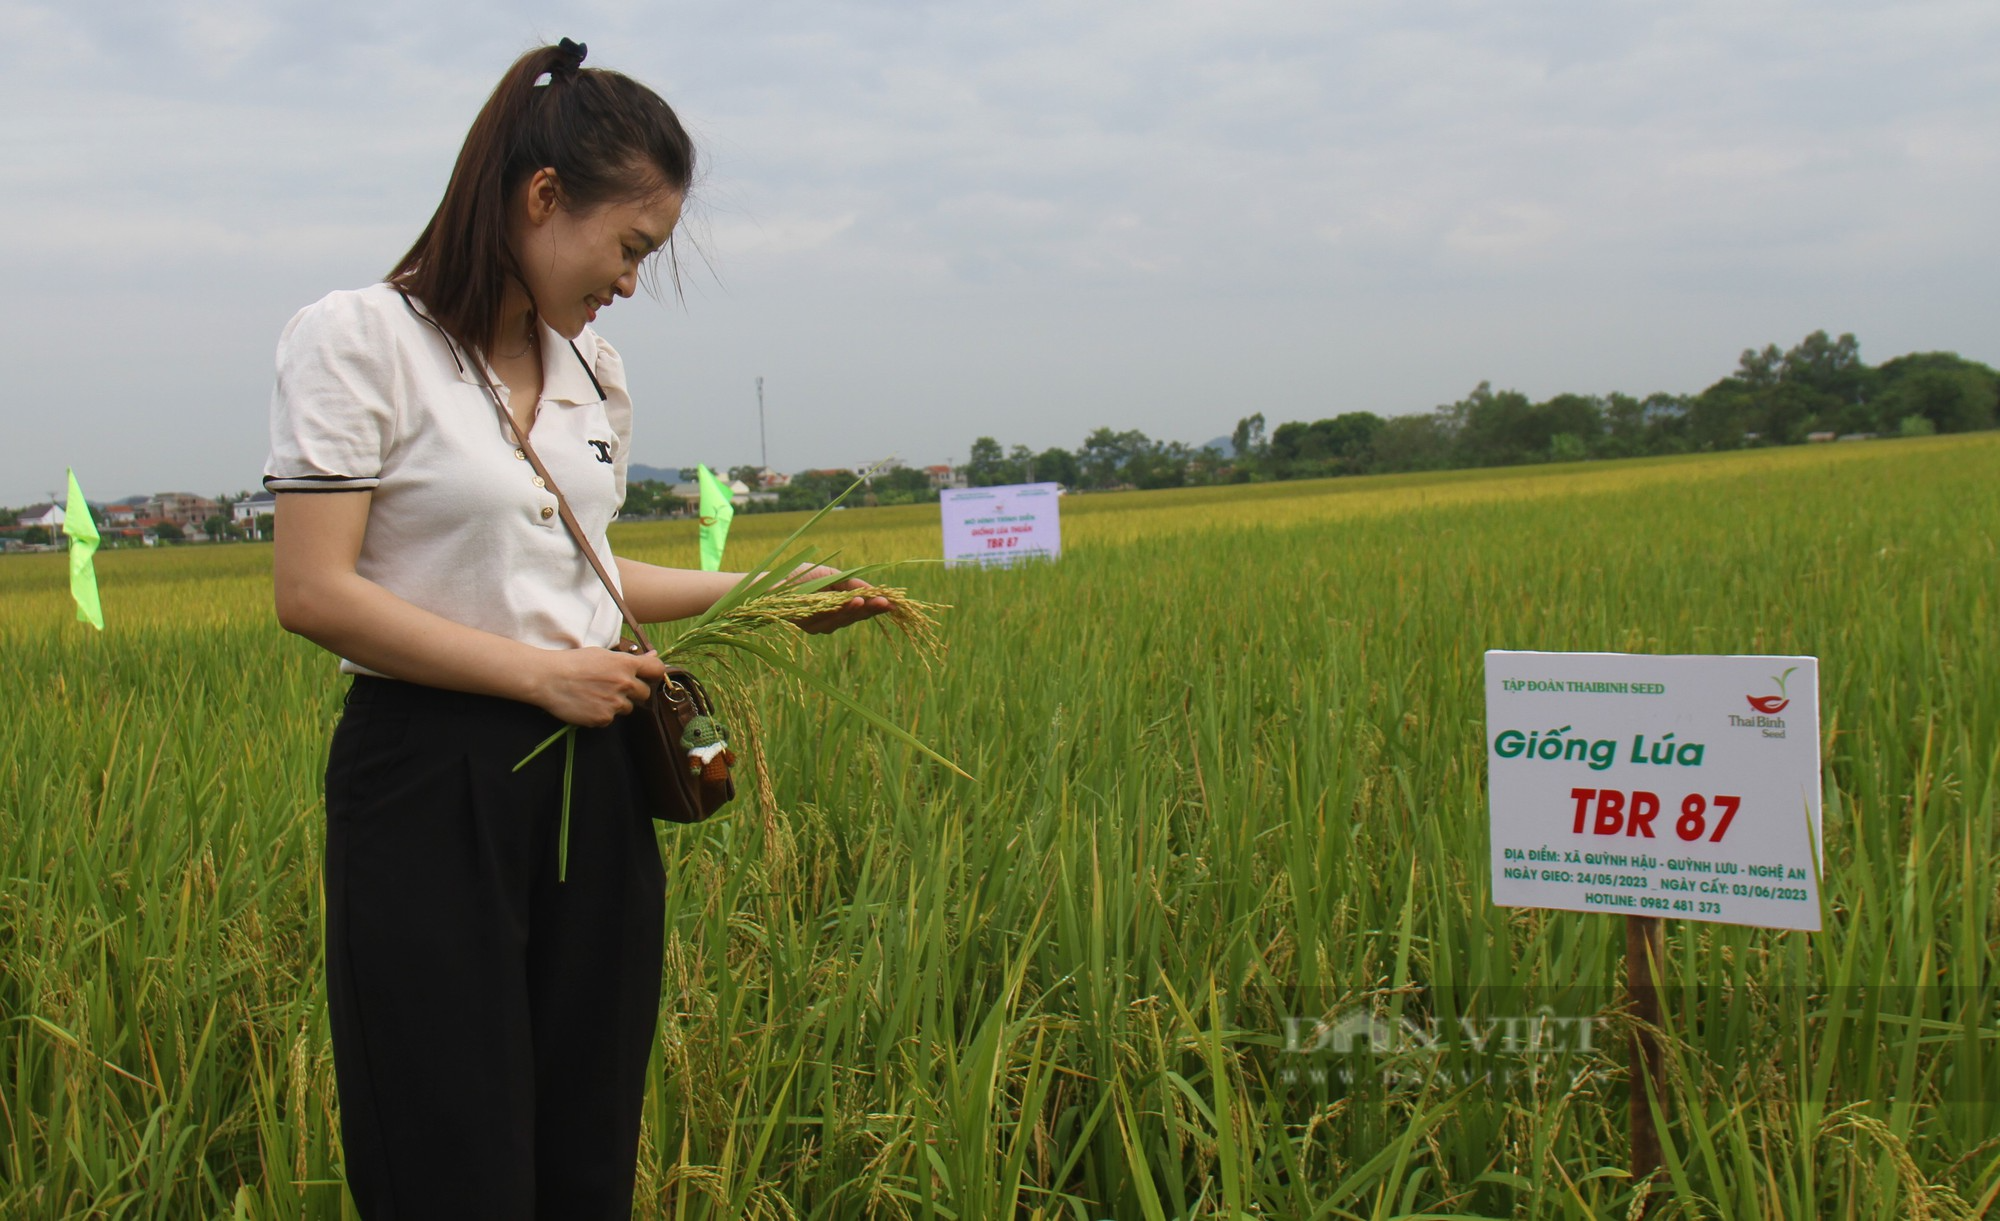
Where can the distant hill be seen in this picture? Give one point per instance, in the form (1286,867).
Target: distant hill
(1221,445)
(636,473)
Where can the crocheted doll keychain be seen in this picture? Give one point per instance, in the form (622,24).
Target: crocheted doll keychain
(707,745)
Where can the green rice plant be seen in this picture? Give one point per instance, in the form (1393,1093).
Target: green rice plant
(1231,785)
(760,617)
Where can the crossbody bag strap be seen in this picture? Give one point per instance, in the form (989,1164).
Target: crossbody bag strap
(534,460)
(562,506)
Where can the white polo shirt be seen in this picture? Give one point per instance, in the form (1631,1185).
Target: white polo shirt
(371,396)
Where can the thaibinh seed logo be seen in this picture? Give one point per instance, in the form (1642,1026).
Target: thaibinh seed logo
(1772,705)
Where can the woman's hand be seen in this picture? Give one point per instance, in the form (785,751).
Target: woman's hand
(856,610)
(594,687)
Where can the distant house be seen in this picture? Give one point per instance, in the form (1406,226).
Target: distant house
(247,510)
(145,528)
(47,516)
(184,509)
(1817,438)
(689,495)
(942,476)
(120,514)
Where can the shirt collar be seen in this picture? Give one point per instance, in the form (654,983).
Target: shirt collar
(566,378)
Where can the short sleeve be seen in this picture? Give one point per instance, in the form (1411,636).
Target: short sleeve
(333,415)
(609,370)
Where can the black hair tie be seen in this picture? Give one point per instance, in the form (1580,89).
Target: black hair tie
(572,53)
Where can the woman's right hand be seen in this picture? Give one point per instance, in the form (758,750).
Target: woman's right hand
(322,597)
(594,687)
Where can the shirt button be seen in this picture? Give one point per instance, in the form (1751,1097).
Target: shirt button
(539,483)
(518,454)
(547,512)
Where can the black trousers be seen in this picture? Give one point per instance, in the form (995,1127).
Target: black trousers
(491,1025)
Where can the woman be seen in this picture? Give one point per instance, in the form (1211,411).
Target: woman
(491,1025)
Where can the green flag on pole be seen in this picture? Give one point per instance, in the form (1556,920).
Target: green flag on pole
(82,533)
(716,510)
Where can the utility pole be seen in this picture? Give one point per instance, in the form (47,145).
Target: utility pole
(763,445)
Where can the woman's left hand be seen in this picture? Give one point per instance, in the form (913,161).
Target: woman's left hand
(856,610)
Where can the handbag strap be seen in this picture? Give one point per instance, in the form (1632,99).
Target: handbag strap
(562,502)
(534,460)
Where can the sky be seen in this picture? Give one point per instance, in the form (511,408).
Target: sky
(922,224)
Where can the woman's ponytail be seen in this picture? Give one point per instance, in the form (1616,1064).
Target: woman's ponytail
(606,136)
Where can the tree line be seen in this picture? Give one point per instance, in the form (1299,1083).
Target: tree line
(1106,459)
(809,490)
(1819,388)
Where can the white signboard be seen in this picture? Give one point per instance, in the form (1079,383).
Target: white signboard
(1656,786)
(1001,525)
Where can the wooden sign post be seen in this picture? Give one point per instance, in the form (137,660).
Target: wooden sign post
(1645,949)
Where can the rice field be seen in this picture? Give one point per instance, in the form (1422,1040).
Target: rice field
(1230,797)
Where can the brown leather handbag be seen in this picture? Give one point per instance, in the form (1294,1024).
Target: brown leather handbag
(671,789)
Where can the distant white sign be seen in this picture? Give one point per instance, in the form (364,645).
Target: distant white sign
(1656,786)
(1001,525)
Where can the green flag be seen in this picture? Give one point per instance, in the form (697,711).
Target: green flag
(82,533)
(716,510)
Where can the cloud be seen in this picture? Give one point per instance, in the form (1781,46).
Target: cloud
(775,237)
(929,222)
